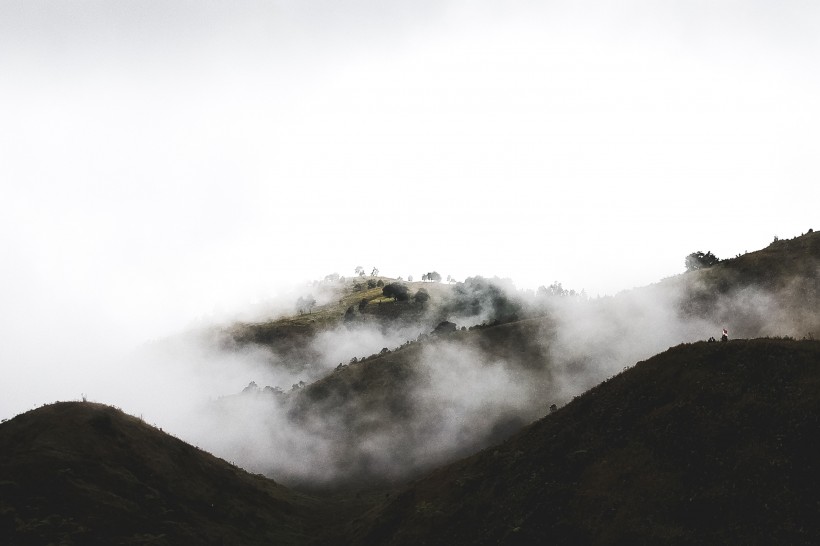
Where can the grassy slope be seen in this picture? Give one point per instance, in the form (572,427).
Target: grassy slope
(89,474)
(790,268)
(705,443)
(297,329)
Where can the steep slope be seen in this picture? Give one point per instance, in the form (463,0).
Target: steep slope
(773,291)
(707,443)
(83,473)
(403,411)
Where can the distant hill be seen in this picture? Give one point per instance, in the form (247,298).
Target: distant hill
(708,443)
(781,281)
(407,408)
(788,267)
(333,299)
(702,443)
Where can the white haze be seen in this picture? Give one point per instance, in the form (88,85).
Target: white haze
(171,165)
(467,393)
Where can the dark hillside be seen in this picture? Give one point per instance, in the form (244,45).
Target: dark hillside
(411,406)
(402,400)
(83,473)
(781,282)
(706,443)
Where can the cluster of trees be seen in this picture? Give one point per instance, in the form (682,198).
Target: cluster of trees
(493,298)
(432,276)
(400,292)
(397,291)
(305,304)
(699,260)
(360,271)
(555,289)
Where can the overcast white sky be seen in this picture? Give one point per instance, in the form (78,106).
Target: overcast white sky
(162,160)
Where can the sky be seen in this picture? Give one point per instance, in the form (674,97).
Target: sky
(164,163)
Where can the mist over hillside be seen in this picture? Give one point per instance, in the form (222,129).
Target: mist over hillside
(373,396)
(705,443)
(546,377)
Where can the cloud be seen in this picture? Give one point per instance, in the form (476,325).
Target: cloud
(168,163)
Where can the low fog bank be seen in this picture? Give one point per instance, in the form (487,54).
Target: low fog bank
(377,399)
(421,404)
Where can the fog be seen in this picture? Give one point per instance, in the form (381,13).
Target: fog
(427,402)
(171,167)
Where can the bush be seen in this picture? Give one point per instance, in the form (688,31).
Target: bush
(421,296)
(445,327)
(397,291)
(699,260)
(350,314)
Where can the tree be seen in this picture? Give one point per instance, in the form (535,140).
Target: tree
(421,296)
(555,289)
(433,276)
(359,271)
(305,304)
(375,272)
(699,260)
(350,314)
(397,291)
(445,327)
(409,278)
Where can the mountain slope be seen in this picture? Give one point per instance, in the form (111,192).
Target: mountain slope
(705,443)
(89,474)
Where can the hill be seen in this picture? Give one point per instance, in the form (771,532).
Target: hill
(413,405)
(648,455)
(704,443)
(83,473)
(780,282)
(707,443)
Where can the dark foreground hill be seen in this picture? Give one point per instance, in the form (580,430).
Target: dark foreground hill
(707,443)
(83,473)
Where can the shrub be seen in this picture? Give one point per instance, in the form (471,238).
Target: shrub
(421,296)
(397,291)
(699,260)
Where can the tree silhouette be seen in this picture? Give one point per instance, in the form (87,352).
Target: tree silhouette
(397,291)
(305,304)
(421,296)
(699,260)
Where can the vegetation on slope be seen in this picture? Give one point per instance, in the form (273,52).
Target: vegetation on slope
(706,443)
(83,473)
